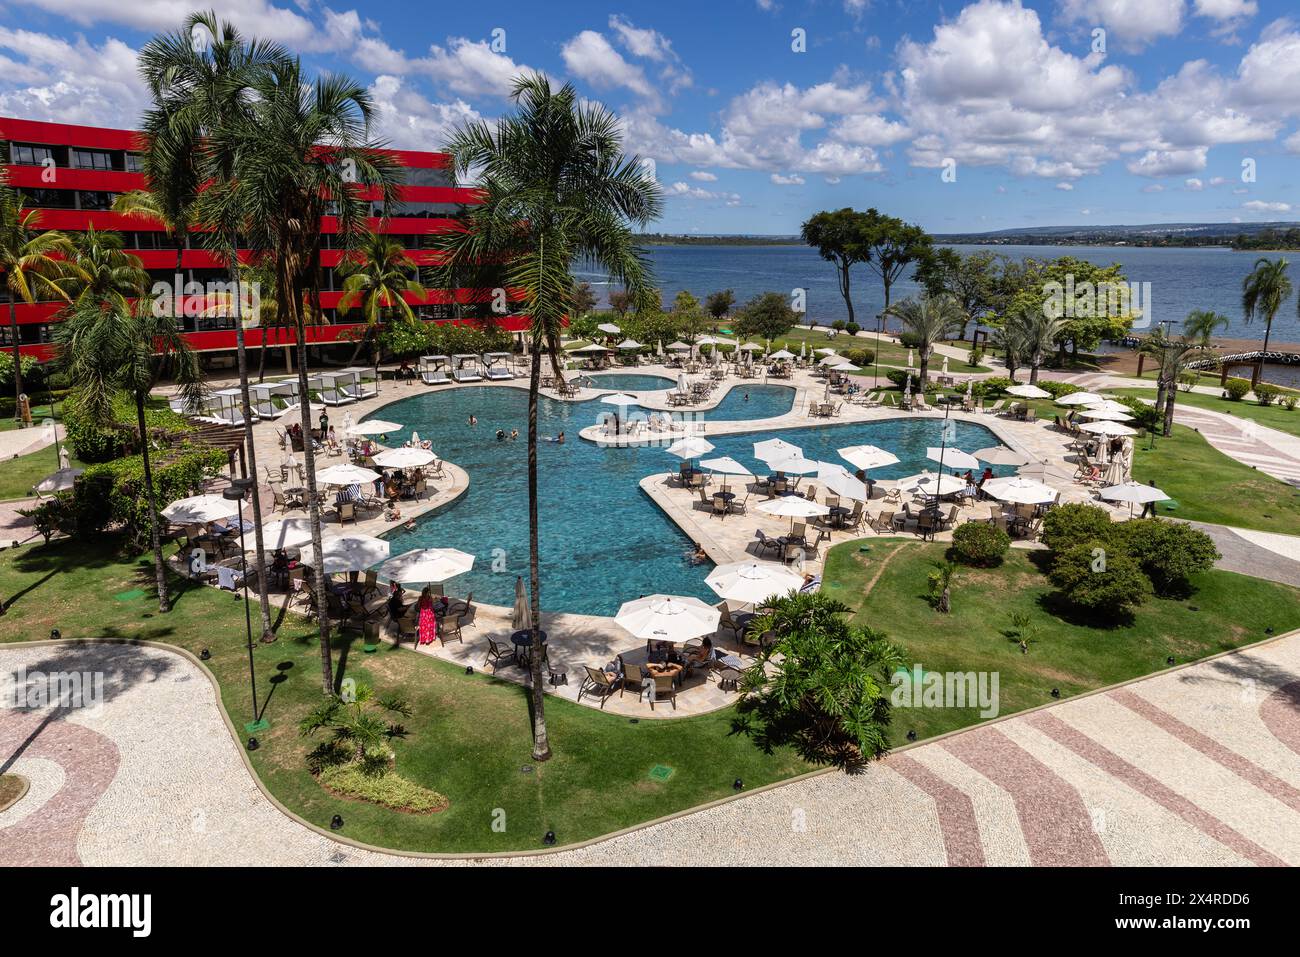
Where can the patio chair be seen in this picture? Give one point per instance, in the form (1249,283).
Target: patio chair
(854,519)
(463,610)
(764,542)
(926,524)
(371,584)
(720,506)
(347,512)
(996,407)
(738,506)
(633,679)
(449,629)
(597,684)
(1030,415)
(665,688)
(496,654)
(725,621)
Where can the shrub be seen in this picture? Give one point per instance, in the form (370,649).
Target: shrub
(387,789)
(852,328)
(1289,403)
(1075,523)
(1058,389)
(51,515)
(1266,392)
(1236,389)
(1107,583)
(860,357)
(977,543)
(1189,379)
(991,387)
(838,325)
(92,441)
(1169,553)
(909,340)
(1145,417)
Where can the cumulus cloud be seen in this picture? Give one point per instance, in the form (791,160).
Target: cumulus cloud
(703,176)
(48,78)
(407,119)
(1168,162)
(1259,206)
(792,180)
(1132,24)
(589,56)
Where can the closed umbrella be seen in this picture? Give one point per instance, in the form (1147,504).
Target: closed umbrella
(373,427)
(1020,490)
(1001,455)
(352,553)
(404,458)
(868,457)
(427,565)
(751,581)
(952,458)
(667,618)
(200,509)
(1028,391)
(522,617)
(346,475)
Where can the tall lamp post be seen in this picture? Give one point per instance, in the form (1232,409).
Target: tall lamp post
(880,325)
(235,493)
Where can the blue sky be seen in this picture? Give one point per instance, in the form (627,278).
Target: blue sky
(1063,112)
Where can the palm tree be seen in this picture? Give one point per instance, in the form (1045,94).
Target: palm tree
(375,277)
(1011,338)
(31,262)
(99,272)
(146,206)
(1172,357)
(1200,325)
(1036,336)
(929,319)
(303,153)
(1264,291)
(193,87)
(558,192)
(108,349)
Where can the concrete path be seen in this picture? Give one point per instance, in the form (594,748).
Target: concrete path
(1196,766)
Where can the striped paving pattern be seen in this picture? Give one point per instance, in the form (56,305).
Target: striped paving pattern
(1237,439)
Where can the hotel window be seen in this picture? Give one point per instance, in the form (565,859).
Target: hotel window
(94,200)
(134,163)
(31,155)
(92,159)
(49,198)
(422,176)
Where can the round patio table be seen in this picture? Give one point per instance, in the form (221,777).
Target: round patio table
(839,513)
(523,642)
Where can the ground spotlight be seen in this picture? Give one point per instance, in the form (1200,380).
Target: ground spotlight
(1056,692)
(252,744)
(549,839)
(737,785)
(336,822)
(911,736)
(56,634)
(205,655)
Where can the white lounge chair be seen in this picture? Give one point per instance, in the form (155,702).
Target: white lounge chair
(437,377)
(467,375)
(498,373)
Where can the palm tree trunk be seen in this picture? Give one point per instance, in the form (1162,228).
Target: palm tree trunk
(1160,390)
(844,287)
(159,567)
(294,304)
(1268,328)
(18,353)
(1033,372)
(925,365)
(1171,395)
(261,358)
(541,744)
(268,634)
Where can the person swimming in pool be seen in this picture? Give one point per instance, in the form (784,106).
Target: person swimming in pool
(501,435)
(699,556)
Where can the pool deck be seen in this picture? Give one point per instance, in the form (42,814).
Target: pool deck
(578,640)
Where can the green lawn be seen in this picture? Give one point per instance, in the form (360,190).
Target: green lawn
(1274,416)
(1070,655)
(18,475)
(39,414)
(468,737)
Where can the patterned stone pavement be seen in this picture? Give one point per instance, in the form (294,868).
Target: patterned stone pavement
(1196,766)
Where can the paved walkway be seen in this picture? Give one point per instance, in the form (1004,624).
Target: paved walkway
(1196,766)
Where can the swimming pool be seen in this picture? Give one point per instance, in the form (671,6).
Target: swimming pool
(627,381)
(603,541)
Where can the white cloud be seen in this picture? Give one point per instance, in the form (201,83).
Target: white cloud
(254,17)
(1065,186)
(703,176)
(590,57)
(1168,162)
(406,119)
(1259,206)
(1130,23)
(1193,184)
(686,191)
(792,180)
(69,82)
(1226,9)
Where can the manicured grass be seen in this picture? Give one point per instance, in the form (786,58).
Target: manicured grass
(469,736)
(1071,653)
(1274,416)
(18,475)
(39,414)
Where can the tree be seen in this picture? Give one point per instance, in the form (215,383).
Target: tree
(929,319)
(766,316)
(1038,332)
(303,151)
(100,272)
(194,87)
(376,278)
(891,245)
(1106,582)
(620,302)
(107,349)
(1013,340)
(584,300)
(940,581)
(718,304)
(1201,324)
(1170,553)
(688,319)
(840,237)
(820,684)
(557,192)
(1264,291)
(358,734)
(31,263)
(971,280)
(1172,357)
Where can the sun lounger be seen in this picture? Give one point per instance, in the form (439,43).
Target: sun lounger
(434,378)
(467,375)
(498,374)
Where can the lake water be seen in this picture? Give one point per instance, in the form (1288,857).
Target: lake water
(1181,279)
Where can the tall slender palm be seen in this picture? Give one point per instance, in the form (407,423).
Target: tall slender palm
(32,263)
(376,275)
(146,206)
(558,193)
(1037,336)
(1172,356)
(197,77)
(929,319)
(304,153)
(1264,291)
(108,349)
(1201,325)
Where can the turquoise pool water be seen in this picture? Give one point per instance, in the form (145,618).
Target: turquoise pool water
(627,381)
(603,541)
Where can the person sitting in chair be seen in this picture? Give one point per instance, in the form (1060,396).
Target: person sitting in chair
(701,653)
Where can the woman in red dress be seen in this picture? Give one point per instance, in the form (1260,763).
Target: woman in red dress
(428,621)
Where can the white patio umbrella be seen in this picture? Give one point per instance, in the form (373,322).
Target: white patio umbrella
(690,447)
(782,354)
(824,352)
(793,464)
(952,458)
(1108,415)
(838,481)
(771,449)
(591,347)
(404,458)
(1108,405)
(609,327)
(929,483)
(629,344)
(749,582)
(200,509)
(352,553)
(847,367)
(286,533)
(1020,490)
(678,347)
(1107,428)
(751,347)
(1001,455)
(868,457)
(1080,398)
(1027,391)
(726,465)
(831,360)
(1135,493)
(667,618)
(793,506)
(346,475)
(621,399)
(373,427)
(59,481)
(427,565)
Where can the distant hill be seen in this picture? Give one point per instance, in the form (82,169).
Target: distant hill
(1243,235)
(734,239)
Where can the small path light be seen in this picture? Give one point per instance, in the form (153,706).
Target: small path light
(56,634)
(737,785)
(549,839)
(205,655)
(911,736)
(336,822)
(1056,692)
(252,744)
